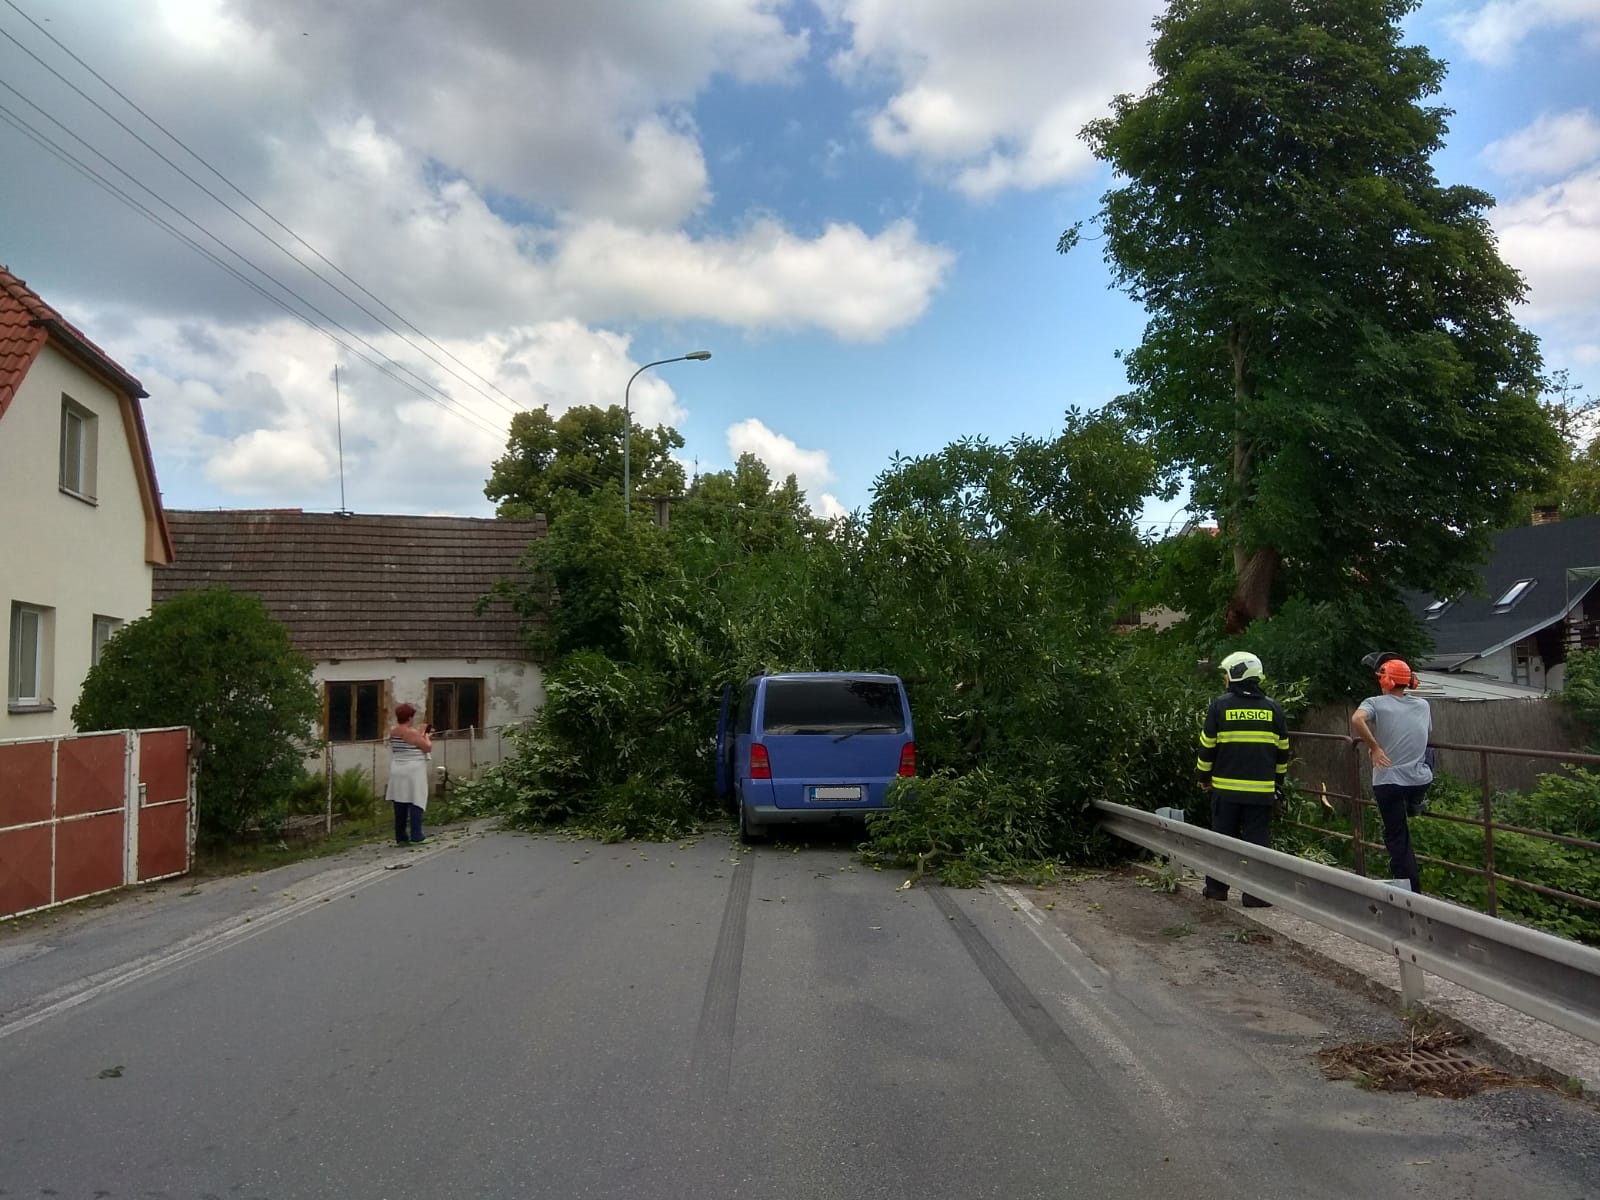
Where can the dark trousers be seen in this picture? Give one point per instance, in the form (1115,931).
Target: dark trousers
(1395,801)
(407,823)
(1251,822)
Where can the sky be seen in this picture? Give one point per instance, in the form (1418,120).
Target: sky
(472,208)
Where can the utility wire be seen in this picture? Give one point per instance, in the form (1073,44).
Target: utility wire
(502,399)
(66,156)
(424,382)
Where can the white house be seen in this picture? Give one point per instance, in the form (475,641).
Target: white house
(81,523)
(386,608)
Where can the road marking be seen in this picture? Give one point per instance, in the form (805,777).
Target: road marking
(231,932)
(1112,1034)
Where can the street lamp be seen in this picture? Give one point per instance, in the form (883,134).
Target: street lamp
(627,425)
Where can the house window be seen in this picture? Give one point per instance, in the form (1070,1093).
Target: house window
(1512,594)
(1437,609)
(104,627)
(28,680)
(78,443)
(455,703)
(354,710)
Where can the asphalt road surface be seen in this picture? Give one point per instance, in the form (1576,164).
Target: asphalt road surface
(510,1016)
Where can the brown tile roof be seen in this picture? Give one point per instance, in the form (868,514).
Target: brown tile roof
(360,586)
(26,324)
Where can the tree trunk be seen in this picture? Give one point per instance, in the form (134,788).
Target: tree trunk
(1253,568)
(1252,589)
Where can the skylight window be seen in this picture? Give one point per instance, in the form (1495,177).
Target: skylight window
(1435,610)
(1512,594)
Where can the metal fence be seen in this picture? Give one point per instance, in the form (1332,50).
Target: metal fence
(82,814)
(1337,780)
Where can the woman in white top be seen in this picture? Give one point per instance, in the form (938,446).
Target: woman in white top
(409,748)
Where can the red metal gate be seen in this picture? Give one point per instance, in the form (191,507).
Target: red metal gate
(91,812)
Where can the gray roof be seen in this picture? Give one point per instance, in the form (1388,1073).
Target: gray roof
(1470,627)
(360,586)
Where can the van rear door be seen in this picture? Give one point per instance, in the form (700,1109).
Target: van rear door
(833,741)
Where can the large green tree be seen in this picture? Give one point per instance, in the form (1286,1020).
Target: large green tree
(218,662)
(551,461)
(1331,360)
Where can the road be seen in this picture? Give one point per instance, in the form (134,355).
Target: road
(512,1016)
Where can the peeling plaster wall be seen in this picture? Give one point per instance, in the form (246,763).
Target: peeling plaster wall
(513,693)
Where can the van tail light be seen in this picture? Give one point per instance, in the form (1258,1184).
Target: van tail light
(760,767)
(908,760)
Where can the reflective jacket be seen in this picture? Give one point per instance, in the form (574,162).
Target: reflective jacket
(1244,745)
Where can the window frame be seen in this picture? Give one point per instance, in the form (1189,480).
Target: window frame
(97,644)
(1514,595)
(453,723)
(85,452)
(39,668)
(353,732)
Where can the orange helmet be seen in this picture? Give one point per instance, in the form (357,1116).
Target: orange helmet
(1396,673)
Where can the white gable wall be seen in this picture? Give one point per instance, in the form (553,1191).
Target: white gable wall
(67,555)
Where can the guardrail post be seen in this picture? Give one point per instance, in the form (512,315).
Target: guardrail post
(1491,896)
(1411,981)
(1358,847)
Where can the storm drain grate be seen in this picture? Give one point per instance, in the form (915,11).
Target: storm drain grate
(1431,1064)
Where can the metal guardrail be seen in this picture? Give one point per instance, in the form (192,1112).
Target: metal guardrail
(1536,973)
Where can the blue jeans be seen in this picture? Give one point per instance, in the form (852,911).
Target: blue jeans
(1395,803)
(407,815)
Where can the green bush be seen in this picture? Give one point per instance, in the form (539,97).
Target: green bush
(216,661)
(965,827)
(613,752)
(1565,804)
(1581,690)
(352,793)
(1533,860)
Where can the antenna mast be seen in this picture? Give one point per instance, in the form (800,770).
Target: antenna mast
(338,415)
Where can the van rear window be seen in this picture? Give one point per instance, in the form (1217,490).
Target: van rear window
(833,706)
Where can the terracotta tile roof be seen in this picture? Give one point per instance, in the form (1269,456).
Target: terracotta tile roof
(360,586)
(26,322)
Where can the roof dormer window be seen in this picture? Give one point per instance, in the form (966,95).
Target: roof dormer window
(1508,599)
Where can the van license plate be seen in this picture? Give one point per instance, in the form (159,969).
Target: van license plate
(836,793)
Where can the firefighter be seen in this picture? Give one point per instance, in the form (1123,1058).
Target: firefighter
(1244,759)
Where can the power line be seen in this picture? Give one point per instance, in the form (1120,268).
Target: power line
(46,142)
(504,399)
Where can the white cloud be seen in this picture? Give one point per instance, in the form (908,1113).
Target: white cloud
(252,411)
(827,505)
(567,105)
(1492,32)
(1554,145)
(845,281)
(1553,237)
(993,96)
(783,458)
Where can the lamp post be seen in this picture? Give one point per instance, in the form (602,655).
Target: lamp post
(627,425)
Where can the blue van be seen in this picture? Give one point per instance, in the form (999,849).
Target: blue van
(811,747)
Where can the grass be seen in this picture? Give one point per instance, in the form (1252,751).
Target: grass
(242,858)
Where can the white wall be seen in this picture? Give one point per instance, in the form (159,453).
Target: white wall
(60,552)
(513,692)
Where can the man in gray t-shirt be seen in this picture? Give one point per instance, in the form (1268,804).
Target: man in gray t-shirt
(1396,727)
